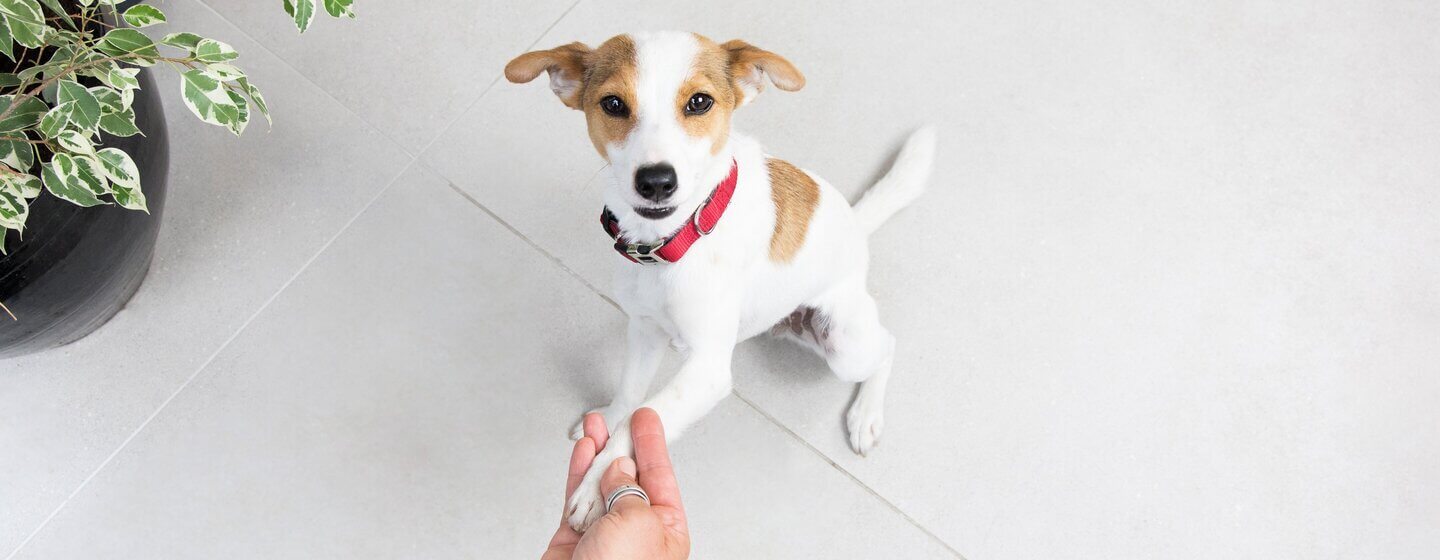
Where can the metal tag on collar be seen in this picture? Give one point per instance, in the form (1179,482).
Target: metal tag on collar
(642,253)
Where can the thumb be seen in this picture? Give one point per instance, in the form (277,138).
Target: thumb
(621,473)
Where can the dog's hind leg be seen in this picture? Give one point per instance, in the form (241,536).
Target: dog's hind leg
(844,327)
(645,347)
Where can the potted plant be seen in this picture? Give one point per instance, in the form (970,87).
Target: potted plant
(83,152)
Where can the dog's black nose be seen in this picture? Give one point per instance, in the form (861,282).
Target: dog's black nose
(655,182)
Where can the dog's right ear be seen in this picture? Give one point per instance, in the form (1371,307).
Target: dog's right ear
(565,63)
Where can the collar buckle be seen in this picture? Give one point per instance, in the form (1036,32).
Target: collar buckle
(642,253)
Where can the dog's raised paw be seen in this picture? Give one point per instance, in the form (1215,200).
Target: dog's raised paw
(585,504)
(578,430)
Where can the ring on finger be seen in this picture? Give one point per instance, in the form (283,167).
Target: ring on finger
(625,490)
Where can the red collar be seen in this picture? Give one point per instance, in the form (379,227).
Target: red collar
(672,248)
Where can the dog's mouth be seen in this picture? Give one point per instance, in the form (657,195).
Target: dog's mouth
(654,213)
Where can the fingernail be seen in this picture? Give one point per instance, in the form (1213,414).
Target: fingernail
(627,466)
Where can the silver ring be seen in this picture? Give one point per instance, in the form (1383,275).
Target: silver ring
(626,490)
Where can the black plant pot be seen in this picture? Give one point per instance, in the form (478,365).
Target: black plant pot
(76,267)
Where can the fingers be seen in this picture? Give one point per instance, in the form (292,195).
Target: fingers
(621,473)
(595,429)
(580,459)
(652,458)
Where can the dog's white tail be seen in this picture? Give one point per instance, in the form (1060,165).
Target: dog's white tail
(902,184)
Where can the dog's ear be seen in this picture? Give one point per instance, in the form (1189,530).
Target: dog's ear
(565,63)
(749,65)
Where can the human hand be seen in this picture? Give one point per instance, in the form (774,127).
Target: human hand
(632,529)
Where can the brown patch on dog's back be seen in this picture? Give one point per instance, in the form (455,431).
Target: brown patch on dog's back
(796,195)
(609,70)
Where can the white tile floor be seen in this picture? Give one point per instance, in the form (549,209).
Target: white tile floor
(1177,297)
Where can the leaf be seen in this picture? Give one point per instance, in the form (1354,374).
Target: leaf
(35,71)
(13,208)
(125,176)
(18,154)
(59,10)
(110,100)
(207,99)
(122,79)
(55,121)
(338,8)
(119,167)
(243,119)
(130,198)
(92,174)
(25,22)
(26,115)
(254,94)
(120,42)
(27,35)
(224,72)
(185,41)
(9,80)
(303,11)
(119,124)
(143,15)
(7,41)
(63,178)
(75,141)
(27,185)
(23,11)
(85,111)
(210,50)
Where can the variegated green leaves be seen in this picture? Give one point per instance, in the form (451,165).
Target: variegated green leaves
(213,88)
(24,23)
(303,11)
(16,192)
(77,82)
(80,171)
(142,15)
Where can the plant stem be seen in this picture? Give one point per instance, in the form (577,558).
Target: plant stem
(73,68)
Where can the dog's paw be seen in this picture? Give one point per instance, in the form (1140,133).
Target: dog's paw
(586,505)
(578,431)
(863,422)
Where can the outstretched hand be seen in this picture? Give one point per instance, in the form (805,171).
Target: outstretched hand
(632,529)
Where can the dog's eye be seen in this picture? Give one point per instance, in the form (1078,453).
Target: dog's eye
(699,104)
(614,107)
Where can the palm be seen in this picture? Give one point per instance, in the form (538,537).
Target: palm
(657,531)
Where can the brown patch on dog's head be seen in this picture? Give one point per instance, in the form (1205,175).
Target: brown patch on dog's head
(796,195)
(581,77)
(610,71)
(731,74)
(711,76)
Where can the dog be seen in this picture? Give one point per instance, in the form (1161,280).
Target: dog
(720,242)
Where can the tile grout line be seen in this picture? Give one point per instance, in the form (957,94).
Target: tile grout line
(486,91)
(302,75)
(416,158)
(358,116)
(206,363)
(842,470)
(533,245)
(849,475)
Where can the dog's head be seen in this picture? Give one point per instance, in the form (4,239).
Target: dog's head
(658,106)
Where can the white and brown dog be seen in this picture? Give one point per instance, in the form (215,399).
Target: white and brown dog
(721,242)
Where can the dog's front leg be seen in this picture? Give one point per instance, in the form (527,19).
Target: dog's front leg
(701,383)
(645,347)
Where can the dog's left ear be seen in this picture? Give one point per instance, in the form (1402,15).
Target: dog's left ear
(565,64)
(749,65)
